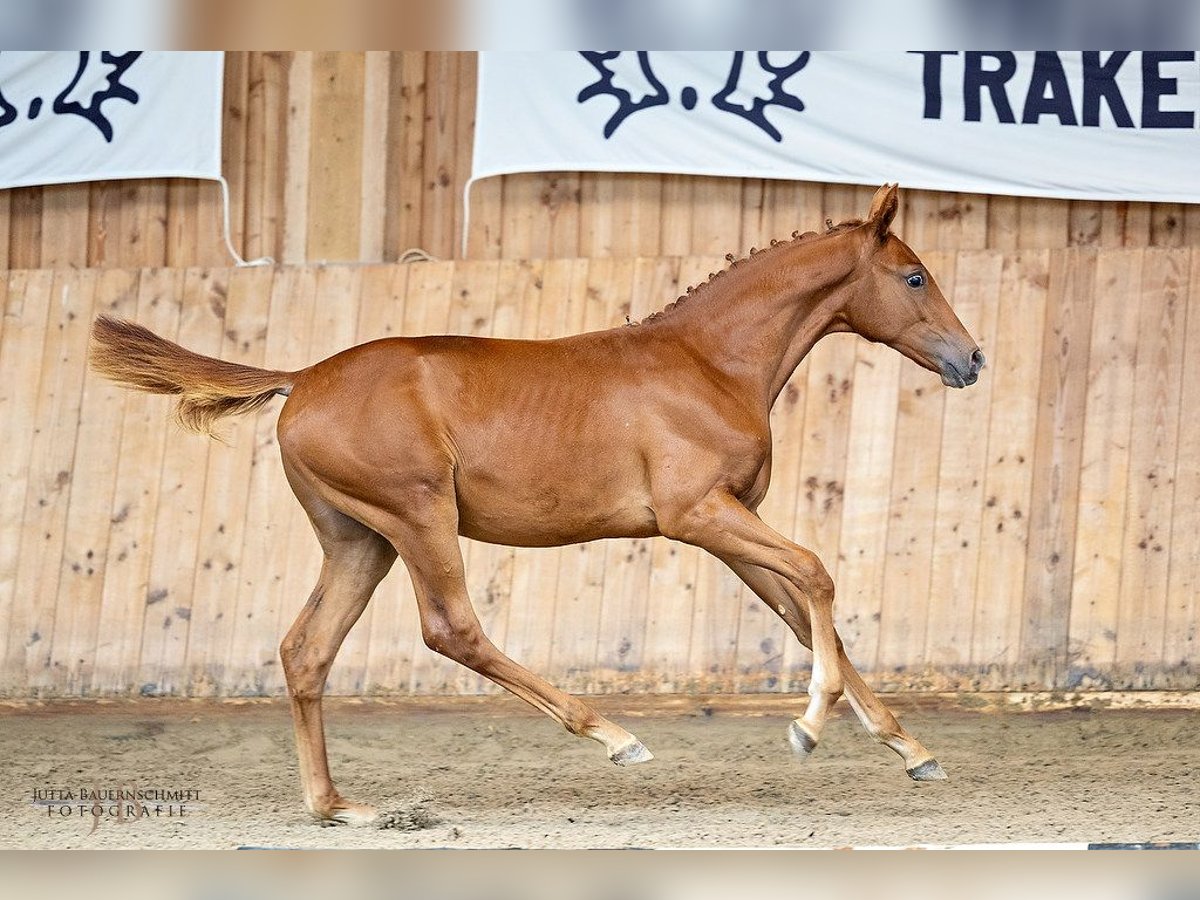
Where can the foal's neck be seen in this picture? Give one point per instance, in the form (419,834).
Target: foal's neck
(759,318)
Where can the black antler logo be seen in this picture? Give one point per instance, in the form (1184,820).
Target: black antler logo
(640,88)
(779,96)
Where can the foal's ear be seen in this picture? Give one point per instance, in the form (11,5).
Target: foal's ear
(883,209)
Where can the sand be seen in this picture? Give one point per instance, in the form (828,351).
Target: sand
(485,772)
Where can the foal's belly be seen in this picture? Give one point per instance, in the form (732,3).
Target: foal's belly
(525,508)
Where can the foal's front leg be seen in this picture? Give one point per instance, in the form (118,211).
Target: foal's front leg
(725,528)
(880,723)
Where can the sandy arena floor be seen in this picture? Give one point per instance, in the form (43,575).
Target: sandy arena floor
(485,772)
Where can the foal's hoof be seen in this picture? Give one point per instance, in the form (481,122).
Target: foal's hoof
(631,754)
(803,743)
(927,771)
(357,814)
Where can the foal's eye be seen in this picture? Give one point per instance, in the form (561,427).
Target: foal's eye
(916,280)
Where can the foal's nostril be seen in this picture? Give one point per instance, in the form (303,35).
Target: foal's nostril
(977,361)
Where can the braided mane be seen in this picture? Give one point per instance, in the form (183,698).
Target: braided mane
(734,262)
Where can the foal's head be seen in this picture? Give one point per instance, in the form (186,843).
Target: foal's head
(894,300)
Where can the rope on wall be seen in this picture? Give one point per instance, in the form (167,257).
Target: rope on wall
(237,257)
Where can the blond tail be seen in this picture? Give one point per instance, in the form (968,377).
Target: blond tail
(209,389)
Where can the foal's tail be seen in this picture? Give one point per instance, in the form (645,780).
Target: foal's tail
(209,389)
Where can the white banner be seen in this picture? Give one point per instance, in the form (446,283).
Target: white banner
(82,116)
(1072,124)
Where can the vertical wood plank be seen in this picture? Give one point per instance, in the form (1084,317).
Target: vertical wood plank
(65,226)
(1158,383)
(1014,368)
(1104,470)
(335,166)
(869,466)
(376,117)
(88,528)
(406,145)
(66,303)
(440,155)
(297,161)
(1181,625)
(1057,455)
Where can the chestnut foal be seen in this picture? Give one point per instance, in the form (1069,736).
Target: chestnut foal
(398,446)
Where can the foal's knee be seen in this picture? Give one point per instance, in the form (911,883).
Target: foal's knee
(812,576)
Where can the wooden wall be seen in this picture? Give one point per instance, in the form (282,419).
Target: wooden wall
(1040,530)
(358,156)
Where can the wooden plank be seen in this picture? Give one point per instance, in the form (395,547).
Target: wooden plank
(1014,368)
(298,158)
(25,228)
(869,466)
(1158,384)
(943,220)
(1004,223)
(124,600)
(88,526)
(597,190)
(464,140)
(957,529)
(258,130)
(335,167)
(675,231)
(234,128)
(1167,225)
(5,224)
(1043,223)
(376,105)
(65,226)
(265,237)
(182,489)
(440,156)
(1057,456)
(716,216)
(406,143)
(181,237)
(223,515)
(1182,637)
(905,604)
(252,666)
(1104,470)
(50,473)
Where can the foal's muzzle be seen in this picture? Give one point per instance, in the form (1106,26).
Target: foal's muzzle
(967,373)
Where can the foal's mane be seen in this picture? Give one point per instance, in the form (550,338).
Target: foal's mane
(755,255)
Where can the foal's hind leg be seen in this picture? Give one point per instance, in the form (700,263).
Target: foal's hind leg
(880,723)
(428,542)
(356,559)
